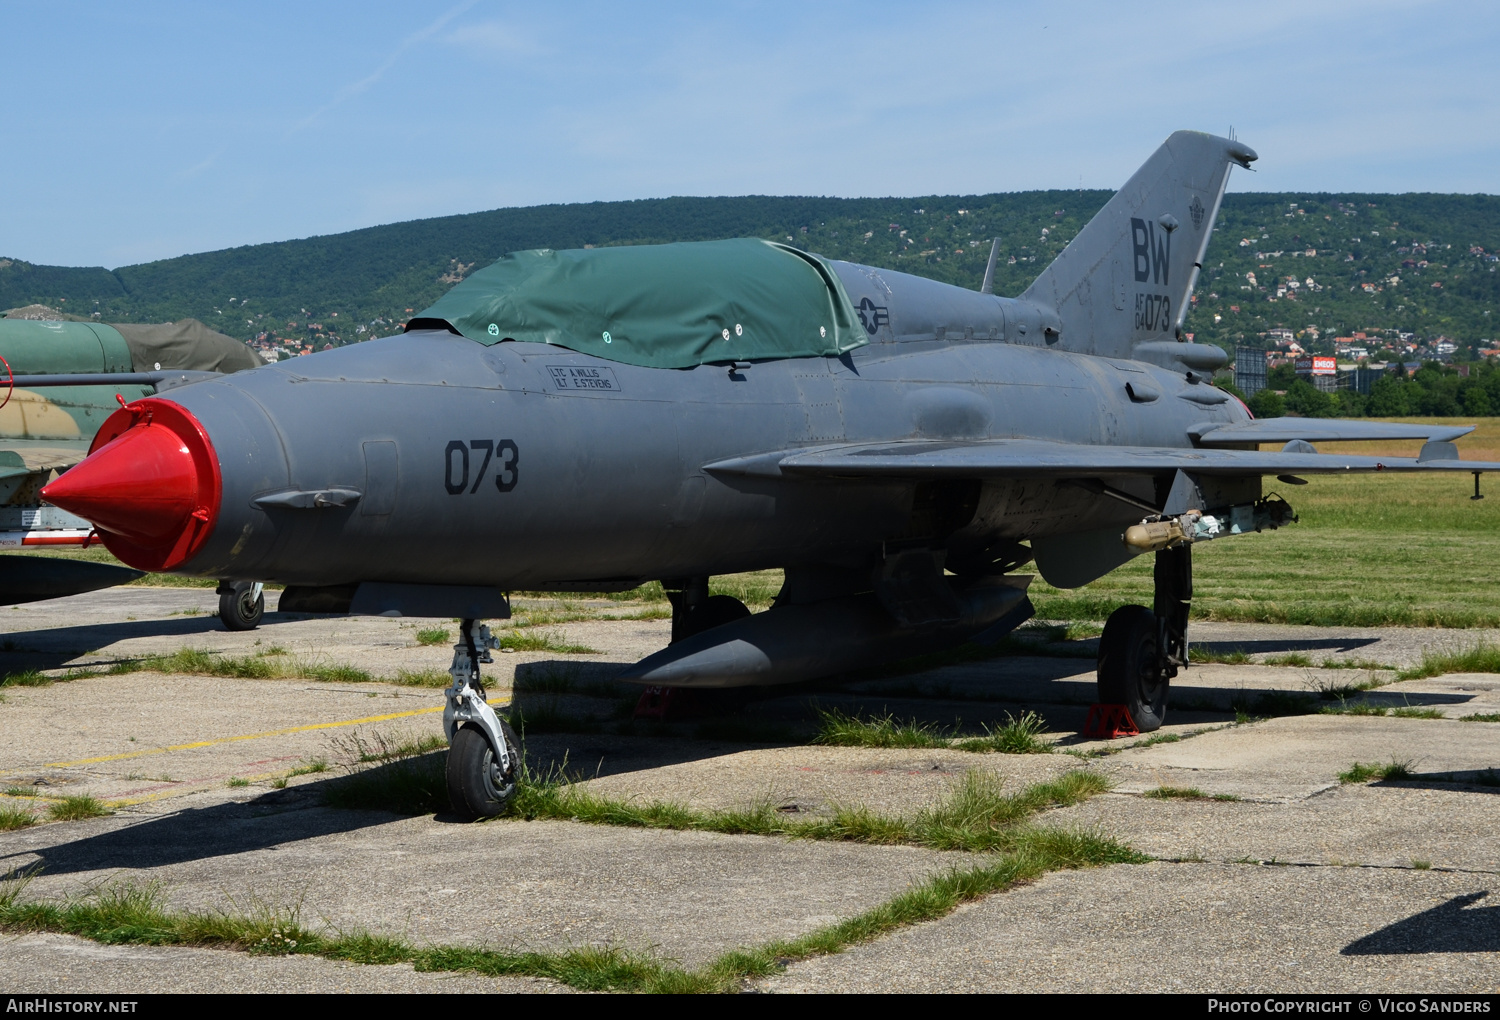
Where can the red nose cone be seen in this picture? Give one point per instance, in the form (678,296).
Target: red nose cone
(150,484)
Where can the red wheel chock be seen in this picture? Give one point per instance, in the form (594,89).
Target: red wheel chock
(1106,722)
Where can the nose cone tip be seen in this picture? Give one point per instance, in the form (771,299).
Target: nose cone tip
(150,485)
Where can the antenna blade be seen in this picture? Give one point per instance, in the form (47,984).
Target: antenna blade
(988,286)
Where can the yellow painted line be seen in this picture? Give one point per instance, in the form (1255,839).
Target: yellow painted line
(251,736)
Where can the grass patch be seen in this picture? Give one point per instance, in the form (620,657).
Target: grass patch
(545,641)
(975,815)
(15,817)
(27,678)
(76,808)
(124,914)
(1186,793)
(311,767)
(1335,567)
(1480,717)
(238,781)
(433,636)
(546,680)
(547,717)
(1482,658)
(422,678)
(1230,657)
(1360,773)
(203,662)
(1268,704)
(837,729)
(401,774)
(1014,736)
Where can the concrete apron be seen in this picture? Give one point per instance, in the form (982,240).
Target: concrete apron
(689,896)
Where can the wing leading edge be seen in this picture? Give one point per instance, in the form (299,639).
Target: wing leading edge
(1038,458)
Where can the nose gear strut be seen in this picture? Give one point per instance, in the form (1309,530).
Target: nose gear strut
(481,779)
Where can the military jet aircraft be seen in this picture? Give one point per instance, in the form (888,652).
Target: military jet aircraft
(589,420)
(61,379)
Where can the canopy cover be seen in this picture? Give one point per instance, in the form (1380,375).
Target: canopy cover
(658,306)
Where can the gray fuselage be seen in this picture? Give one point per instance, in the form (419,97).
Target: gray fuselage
(529,466)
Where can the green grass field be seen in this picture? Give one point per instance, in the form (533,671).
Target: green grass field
(1402,550)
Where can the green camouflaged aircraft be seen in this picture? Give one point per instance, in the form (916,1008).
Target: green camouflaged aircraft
(59,381)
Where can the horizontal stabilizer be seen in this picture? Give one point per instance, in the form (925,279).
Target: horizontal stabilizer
(1037,458)
(1321,430)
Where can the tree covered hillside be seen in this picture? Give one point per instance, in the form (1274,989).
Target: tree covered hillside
(1423,264)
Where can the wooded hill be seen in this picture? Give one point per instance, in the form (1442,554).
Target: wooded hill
(1440,250)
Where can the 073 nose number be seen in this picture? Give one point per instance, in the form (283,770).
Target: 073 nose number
(457,466)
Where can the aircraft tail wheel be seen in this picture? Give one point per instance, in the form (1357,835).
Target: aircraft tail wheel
(476,786)
(242,606)
(1130,671)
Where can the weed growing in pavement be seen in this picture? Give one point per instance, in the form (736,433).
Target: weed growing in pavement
(1186,793)
(1480,717)
(1421,865)
(1359,773)
(310,767)
(1205,654)
(1481,658)
(1366,664)
(975,815)
(385,773)
(433,636)
(1328,690)
(422,678)
(838,729)
(547,717)
(15,817)
(27,678)
(546,680)
(134,914)
(76,808)
(238,781)
(545,641)
(203,662)
(1014,736)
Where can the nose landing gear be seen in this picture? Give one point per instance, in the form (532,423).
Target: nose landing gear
(1141,651)
(241,604)
(483,760)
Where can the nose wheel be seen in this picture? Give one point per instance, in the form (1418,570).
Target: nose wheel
(241,604)
(483,760)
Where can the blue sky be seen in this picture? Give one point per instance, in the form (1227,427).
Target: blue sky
(145,130)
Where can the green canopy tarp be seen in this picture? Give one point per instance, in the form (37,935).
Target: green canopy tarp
(659,306)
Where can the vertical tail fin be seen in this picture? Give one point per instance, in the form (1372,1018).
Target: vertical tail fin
(1127,276)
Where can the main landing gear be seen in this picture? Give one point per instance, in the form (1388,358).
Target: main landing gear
(241,604)
(1141,650)
(694,610)
(483,760)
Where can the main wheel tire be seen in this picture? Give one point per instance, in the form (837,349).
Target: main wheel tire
(477,788)
(1129,673)
(716,611)
(242,607)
